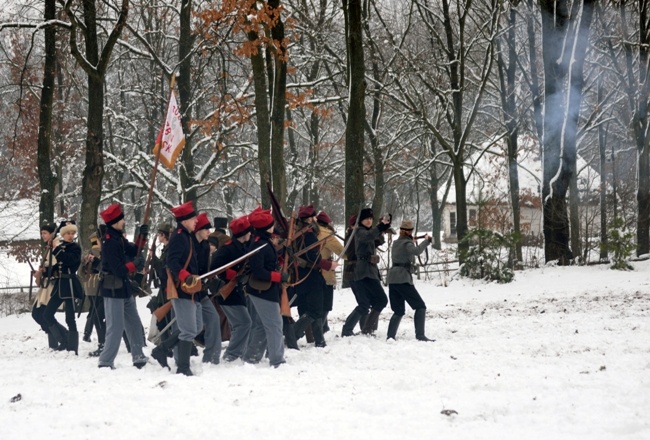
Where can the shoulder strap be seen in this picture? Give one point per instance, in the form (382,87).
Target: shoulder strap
(189,257)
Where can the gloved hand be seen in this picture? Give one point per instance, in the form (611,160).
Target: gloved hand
(144,230)
(284,277)
(139,263)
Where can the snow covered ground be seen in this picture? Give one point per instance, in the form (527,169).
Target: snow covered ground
(560,353)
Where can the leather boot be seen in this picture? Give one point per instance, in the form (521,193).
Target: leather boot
(309,333)
(362,321)
(326,326)
(371,323)
(317,328)
(418,319)
(393,325)
(351,321)
(51,341)
(301,325)
(289,335)
(159,353)
(72,343)
(184,352)
(58,336)
(97,352)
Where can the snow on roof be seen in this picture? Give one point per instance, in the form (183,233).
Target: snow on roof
(19,220)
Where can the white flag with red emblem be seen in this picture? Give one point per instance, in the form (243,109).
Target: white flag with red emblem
(171,138)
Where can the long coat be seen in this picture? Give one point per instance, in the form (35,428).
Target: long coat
(365,242)
(68,255)
(331,246)
(115,249)
(404,252)
(226,253)
(265,267)
(178,251)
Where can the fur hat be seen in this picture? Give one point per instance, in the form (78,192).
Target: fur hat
(220,223)
(261,219)
(184,211)
(407,225)
(112,214)
(366,213)
(323,218)
(67,226)
(240,227)
(48,227)
(306,211)
(202,222)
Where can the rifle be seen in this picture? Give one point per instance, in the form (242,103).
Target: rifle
(285,305)
(219,270)
(162,311)
(227,289)
(148,263)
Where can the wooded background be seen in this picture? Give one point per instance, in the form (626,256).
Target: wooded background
(334,102)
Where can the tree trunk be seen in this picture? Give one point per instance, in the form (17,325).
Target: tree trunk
(354,133)
(263,119)
(507,77)
(185,43)
(602,149)
(279,100)
(46,177)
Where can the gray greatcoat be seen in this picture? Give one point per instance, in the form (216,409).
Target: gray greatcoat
(404,252)
(365,247)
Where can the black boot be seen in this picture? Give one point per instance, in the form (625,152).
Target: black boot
(159,353)
(97,352)
(371,323)
(183,364)
(72,343)
(300,327)
(88,329)
(289,335)
(58,336)
(393,325)
(418,319)
(362,322)
(51,341)
(350,323)
(326,326)
(317,329)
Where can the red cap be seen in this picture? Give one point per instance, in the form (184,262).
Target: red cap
(202,222)
(306,211)
(353,221)
(184,211)
(240,226)
(323,218)
(112,214)
(261,218)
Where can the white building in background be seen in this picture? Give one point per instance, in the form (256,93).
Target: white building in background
(488,195)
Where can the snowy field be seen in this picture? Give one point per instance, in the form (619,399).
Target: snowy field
(560,353)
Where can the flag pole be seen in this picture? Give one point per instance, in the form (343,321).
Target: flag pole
(147,209)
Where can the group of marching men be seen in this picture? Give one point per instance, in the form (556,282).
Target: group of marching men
(243,284)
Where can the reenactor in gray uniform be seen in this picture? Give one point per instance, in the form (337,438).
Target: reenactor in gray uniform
(400,281)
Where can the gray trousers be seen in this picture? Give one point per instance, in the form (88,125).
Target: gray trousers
(240,328)
(189,319)
(212,326)
(266,332)
(121,314)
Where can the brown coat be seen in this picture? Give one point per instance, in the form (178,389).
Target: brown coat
(332,246)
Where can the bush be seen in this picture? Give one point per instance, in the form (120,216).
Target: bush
(621,244)
(488,256)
